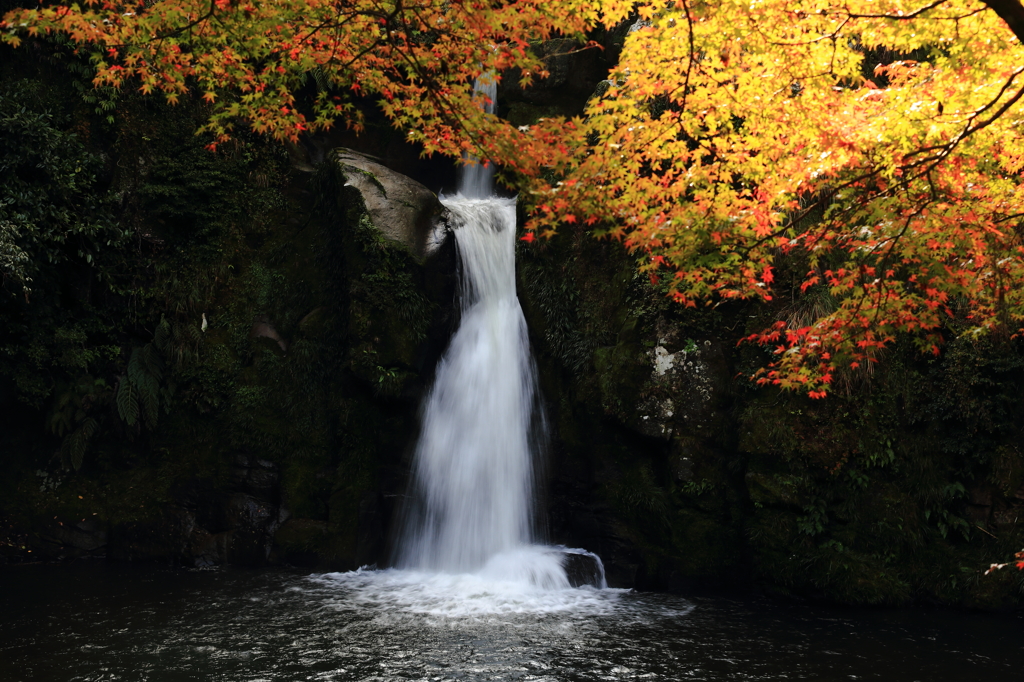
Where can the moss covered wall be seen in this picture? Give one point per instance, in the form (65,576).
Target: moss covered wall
(901,487)
(245,364)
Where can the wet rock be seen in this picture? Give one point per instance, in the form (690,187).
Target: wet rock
(261,328)
(578,516)
(208,549)
(685,390)
(583,568)
(163,538)
(979,506)
(70,540)
(681,466)
(210,525)
(252,523)
(256,477)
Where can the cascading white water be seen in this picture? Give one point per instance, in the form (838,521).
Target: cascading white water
(473,468)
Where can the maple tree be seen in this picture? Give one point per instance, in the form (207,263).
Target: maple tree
(250,60)
(1019,563)
(742,133)
(872,143)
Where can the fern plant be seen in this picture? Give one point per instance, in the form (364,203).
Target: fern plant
(73,447)
(138,391)
(74,417)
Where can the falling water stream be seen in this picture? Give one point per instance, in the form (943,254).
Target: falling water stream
(471,508)
(472,471)
(476,178)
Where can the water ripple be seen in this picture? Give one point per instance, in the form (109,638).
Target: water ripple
(157,625)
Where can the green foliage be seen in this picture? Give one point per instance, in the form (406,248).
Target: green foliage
(51,209)
(387,287)
(138,392)
(103,99)
(39,352)
(140,357)
(186,194)
(814,519)
(74,417)
(127,402)
(637,493)
(696,488)
(877,484)
(74,446)
(558,300)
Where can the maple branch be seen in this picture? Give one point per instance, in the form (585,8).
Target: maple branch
(891,250)
(445,108)
(792,221)
(900,17)
(189,26)
(931,161)
(1010,11)
(329,23)
(1008,217)
(944,150)
(693,53)
(362,53)
(826,36)
(348,17)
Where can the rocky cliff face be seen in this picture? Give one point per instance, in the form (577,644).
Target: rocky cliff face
(683,474)
(288,388)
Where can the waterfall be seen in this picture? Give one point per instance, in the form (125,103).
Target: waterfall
(476,178)
(472,468)
(472,478)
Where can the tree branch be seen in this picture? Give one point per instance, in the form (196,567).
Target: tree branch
(1012,12)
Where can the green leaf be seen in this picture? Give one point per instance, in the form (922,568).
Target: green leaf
(151,362)
(162,335)
(127,401)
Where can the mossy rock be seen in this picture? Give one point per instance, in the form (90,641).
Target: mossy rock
(773,490)
(301,542)
(621,372)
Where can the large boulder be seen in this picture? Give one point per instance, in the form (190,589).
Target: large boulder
(402,209)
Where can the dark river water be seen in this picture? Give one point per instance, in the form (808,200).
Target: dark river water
(93,621)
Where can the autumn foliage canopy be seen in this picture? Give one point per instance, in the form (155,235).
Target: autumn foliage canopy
(872,145)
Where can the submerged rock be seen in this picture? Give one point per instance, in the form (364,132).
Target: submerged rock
(583,568)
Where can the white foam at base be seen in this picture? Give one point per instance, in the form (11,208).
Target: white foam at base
(539,567)
(525,581)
